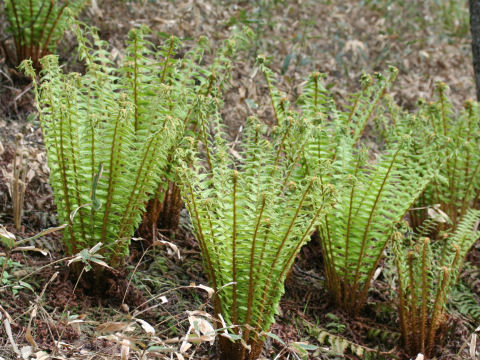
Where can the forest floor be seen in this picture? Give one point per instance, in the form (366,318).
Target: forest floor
(54,315)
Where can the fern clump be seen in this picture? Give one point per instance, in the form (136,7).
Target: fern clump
(37,26)
(454,135)
(457,187)
(207,84)
(251,218)
(426,273)
(371,196)
(109,133)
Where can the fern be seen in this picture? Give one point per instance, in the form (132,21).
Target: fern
(38,25)
(456,137)
(426,274)
(371,196)
(109,133)
(466,302)
(340,346)
(206,84)
(318,105)
(250,219)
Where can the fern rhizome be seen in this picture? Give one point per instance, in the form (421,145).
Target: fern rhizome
(251,218)
(37,26)
(426,272)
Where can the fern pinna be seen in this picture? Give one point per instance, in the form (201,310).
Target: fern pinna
(37,26)
(372,195)
(427,270)
(105,158)
(250,218)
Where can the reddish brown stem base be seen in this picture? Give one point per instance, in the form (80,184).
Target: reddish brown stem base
(163,215)
(229,350)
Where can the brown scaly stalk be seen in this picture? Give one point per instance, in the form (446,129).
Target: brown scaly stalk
(289,263)
(20,33)
(234,247)
(403,311)
(276,259)
(420,322)
(355,302)
(357,167)
(44,26)
(44,46)
(270,92)
(30,51)
(332,280)
(28,43)
(114,167)
(163,210)
(135,90)
(469,108)
(413,304)
(60,148)
(251,280)
(136,191)
(437,311)
(18,184)
(72,141)
(425,295)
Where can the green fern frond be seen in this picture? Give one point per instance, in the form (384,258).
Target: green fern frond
(339,345)
(465,301)
(123,121)
(198,105)
(456,137)
(371,195)
(374,197)
(366,102)
(250,221)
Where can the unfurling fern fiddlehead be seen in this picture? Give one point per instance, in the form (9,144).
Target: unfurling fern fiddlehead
(454,135)
(205,85)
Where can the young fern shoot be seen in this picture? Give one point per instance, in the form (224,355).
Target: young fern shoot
(205,85)
(457,187)
(372,199)
(426,272)
(250,218)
